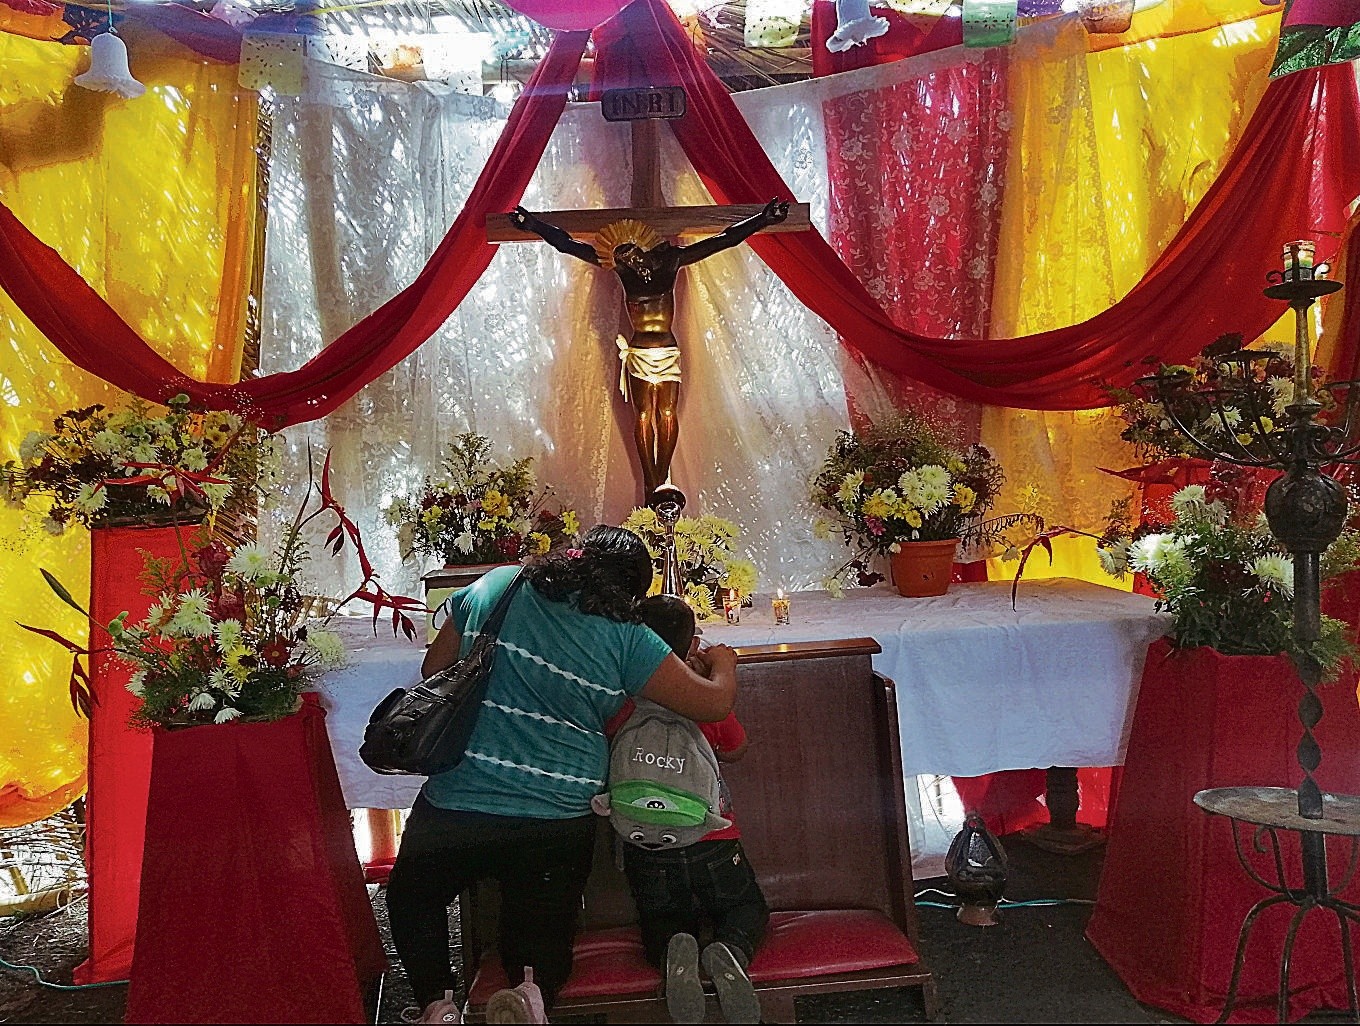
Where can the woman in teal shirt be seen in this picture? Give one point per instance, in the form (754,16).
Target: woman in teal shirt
(517,808)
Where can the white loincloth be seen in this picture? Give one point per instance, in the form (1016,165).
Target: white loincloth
(655,365)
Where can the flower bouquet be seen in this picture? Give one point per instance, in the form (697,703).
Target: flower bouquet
(99,467)
(1263,381)
(905,481)
(1223,574)
(480,512)
(231,633)
(706,549)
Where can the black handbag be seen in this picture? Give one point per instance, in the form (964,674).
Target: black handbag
(425,729)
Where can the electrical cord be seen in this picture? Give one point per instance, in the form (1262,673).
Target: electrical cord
(59,986)
(1003,903)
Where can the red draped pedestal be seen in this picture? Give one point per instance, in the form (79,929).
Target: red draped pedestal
(120,757)
(253,902)
(1172,894)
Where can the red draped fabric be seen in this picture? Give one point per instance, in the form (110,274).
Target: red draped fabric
(92,335)
(915,173)
(1206,283)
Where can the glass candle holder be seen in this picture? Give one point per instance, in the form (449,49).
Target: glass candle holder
(780,605)
(1298,260)
(731,600)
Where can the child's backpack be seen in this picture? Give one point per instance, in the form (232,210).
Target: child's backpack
(664,787)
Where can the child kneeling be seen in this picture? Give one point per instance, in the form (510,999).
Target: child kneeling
(681,884)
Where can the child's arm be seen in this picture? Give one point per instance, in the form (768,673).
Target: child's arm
(728,738)
(733,755)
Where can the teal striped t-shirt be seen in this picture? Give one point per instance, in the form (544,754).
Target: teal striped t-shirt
(538,750)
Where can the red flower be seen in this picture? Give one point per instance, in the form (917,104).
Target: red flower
(509,547)
(276,652)
(212,560)
(229,606)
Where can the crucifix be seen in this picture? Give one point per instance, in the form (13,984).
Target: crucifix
(633,242)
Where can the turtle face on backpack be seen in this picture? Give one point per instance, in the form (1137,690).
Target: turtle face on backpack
(654,816)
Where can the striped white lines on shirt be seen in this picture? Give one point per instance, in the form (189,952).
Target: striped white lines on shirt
(481,757)
(543,717)
(510,647)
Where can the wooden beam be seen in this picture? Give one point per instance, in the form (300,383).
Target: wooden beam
(668,221)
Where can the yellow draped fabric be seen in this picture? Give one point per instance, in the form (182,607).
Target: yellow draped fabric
(153,201)
(1116,140)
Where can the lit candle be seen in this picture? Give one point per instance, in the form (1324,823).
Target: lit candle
(731,599)
(1298,257)
(780,605)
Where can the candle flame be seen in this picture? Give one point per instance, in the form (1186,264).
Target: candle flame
(779,593)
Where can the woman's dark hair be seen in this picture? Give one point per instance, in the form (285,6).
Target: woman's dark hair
(608,572)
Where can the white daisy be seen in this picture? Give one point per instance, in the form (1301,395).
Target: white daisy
(33,442)
(1282,394)
(327,647)
(1113,560)
(228,634)
(1276,572)
(249,562)
(217,494)
(226,714)
(90,499)
(191,619)
(137,685)
(464,542)
(193,459)
(201,702)
(1150,552)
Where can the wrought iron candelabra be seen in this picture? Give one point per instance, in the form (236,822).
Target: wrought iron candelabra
(1232,420)
(1306,508)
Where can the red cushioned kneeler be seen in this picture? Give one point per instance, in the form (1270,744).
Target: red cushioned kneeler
(119,757)
(253,906)
(1172,894)
(798,946)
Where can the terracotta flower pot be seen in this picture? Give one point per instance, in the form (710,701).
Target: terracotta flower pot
(924,568)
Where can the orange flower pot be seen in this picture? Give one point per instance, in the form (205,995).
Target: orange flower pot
(924,568)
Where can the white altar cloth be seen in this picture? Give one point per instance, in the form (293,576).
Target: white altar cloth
(980,687)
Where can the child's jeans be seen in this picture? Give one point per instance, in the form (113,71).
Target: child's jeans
(677,891)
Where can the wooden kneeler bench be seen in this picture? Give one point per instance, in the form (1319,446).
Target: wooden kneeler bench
(819,799)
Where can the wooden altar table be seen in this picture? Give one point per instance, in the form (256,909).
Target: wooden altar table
(980,687)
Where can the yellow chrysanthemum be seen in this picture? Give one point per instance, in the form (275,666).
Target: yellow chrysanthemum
(912,518)
(495,504)
(965,498)
(541,543)
(571,523)
(879,504)
(431,516)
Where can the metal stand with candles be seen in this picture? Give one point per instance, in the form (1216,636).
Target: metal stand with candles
(1307,511)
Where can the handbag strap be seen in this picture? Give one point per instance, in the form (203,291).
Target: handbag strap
(492,628)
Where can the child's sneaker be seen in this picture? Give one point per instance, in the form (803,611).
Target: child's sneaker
(736,997)
(441,1010)
(518,1004)
(684,990)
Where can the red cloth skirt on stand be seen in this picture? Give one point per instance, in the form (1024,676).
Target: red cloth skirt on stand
(1172,894)
(253,906)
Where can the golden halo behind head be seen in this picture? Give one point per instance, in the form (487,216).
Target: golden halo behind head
(621,233)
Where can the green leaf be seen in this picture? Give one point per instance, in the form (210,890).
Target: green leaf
(61,591)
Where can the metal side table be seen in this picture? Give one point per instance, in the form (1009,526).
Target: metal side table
(1269,810)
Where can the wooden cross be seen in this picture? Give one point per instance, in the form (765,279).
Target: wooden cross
(647,203)
(651,369)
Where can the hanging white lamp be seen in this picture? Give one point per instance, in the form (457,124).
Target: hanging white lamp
(109,72)
(854,25)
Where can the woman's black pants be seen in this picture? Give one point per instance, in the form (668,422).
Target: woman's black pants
(541,866)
